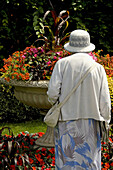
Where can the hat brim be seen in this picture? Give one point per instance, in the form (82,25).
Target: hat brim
(89,48)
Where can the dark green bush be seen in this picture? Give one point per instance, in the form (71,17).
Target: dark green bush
(17,29)
(16,25)
(11,110)
(93,15)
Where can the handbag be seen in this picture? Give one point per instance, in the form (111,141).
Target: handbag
(52,116)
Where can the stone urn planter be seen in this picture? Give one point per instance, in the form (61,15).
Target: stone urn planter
(34,93)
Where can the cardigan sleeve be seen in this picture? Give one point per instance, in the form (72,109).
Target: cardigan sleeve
(55,84)
(105,101)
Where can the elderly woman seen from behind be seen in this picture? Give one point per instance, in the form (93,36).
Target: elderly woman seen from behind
(77,134)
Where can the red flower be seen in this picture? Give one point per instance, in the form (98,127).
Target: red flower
(31,141)
(43,149)
(48,157)
(40,134)
(19,162)
(111,164)
(19,135)
(37,151)
(23,133)
(101,163)
(31,161)
(107,165)
(37,156)
(103,143)
(52,150)
(12,167)
(111,140)
(43,167)
(106,155)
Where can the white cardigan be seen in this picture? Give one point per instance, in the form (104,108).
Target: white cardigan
(91,99)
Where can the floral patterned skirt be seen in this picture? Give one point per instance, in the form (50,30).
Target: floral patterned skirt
(78,145)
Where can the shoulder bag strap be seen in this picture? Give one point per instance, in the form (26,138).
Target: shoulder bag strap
(77,85)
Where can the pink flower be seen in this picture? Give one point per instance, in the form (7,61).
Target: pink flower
(59,53)
(42,50)
(49,62)
(93,56)
(34,50)
(54,57)
(35,55)
(59,58)
(23,56)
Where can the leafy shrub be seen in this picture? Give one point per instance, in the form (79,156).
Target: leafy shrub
(11,110)
(17,152)
(16,24)
(9,155)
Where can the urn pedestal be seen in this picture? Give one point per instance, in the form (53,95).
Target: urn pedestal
(34,93)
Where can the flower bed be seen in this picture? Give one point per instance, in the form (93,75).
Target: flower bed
(44,158)
(31,64)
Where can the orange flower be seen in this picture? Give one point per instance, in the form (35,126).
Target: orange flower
(108,56)
(107,165)
(5,66)
(17,54)
(23,69)
(33,168)
(12,77)
(14,69)
(26,65)
(7,79)
(17,66)
(52,150)
(22,76)
(2,70)
(106,155)
(9,59)
(15,73)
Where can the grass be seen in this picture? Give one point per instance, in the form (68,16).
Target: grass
(33,126)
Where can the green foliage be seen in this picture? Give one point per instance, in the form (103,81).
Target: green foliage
(96,17)
(16,25)
(11,110)
(32,126)
(18,19)
(52,28)
(17,153)
(9,147)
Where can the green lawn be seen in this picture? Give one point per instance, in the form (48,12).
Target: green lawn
(30,126)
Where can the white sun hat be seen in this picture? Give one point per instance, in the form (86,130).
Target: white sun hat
(79,41)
